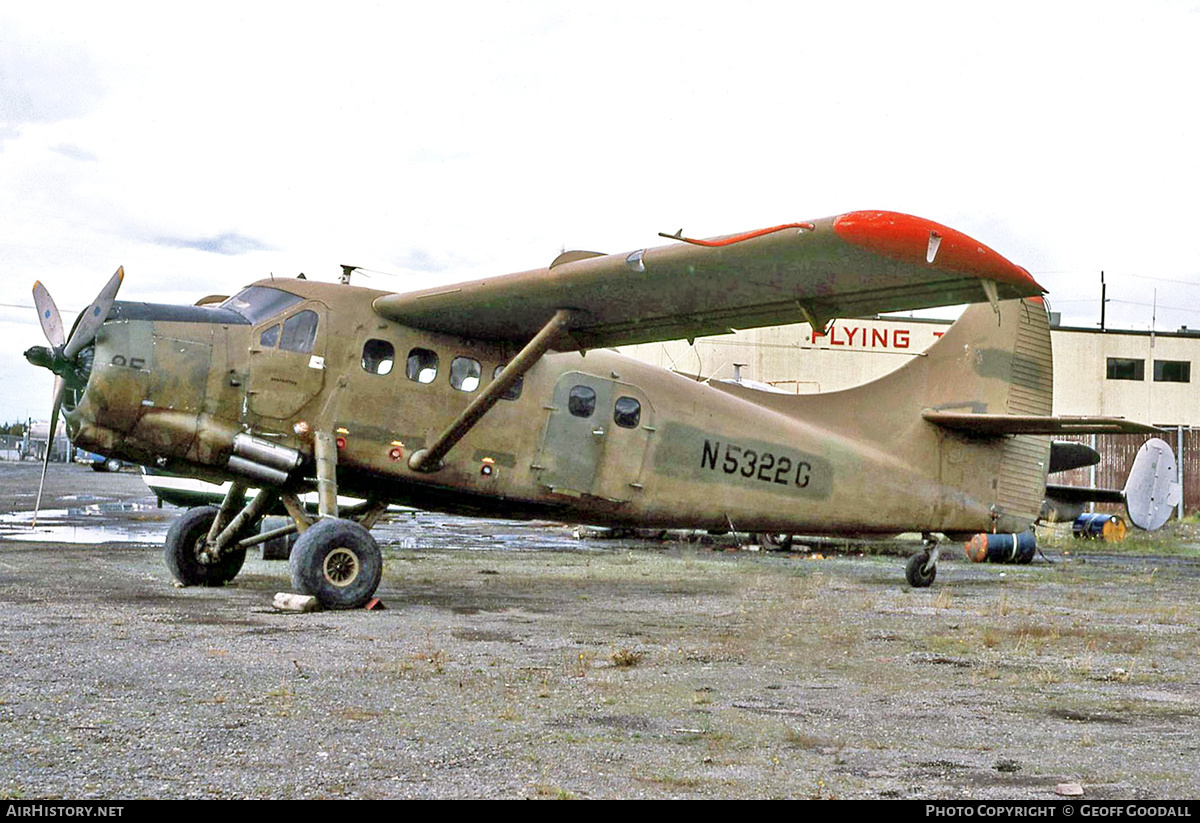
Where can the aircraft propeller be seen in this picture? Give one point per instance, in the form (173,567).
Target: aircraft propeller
(60,358)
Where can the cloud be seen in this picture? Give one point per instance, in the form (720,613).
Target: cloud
(43,81)
(228,243)
(74,152)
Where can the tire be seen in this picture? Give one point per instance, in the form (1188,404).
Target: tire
(915,571)
(112,464)
(338,562)
(277,548)
(186,537)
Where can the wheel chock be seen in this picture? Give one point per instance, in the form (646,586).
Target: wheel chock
(289,602)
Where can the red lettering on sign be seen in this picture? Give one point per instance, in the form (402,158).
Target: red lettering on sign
(900,339)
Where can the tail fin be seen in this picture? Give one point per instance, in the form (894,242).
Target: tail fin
(992,361)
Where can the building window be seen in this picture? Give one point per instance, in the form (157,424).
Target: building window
(1120,368)
(465,373)
(378,356)
(422,366)
(1172,371)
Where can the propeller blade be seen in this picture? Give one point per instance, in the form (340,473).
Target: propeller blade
(48,315)
(90,322)
(59,391)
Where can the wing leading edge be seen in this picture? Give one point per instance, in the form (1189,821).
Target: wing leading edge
(856,264)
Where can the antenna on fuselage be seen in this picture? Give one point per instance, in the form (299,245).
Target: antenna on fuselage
(346,270)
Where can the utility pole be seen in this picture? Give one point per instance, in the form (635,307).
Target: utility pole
(1103,300)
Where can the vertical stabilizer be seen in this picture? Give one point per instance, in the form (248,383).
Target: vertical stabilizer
(989,362)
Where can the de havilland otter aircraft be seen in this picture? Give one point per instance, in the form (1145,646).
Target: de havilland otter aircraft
(500,397)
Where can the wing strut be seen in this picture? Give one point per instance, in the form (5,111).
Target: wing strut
(430,459)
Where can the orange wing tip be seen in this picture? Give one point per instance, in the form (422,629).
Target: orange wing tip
(919,241)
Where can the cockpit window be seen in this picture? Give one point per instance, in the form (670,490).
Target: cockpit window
(270,337)
(299,332)
(260,302)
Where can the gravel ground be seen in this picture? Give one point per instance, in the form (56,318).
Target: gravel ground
(514,660)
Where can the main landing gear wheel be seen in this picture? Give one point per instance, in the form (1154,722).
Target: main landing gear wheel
(186,541)
(338,562)
(920,571)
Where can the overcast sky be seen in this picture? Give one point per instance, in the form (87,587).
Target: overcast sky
(203,146)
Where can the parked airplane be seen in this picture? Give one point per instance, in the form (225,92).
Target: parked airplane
(498,397)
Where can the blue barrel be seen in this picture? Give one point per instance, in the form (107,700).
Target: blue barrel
(1099,526)
(1002,548)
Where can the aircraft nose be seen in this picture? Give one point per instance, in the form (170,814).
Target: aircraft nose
(40,356)
(917,241)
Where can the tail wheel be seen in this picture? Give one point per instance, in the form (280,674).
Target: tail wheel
(338,562)
(187,539)
(919,571)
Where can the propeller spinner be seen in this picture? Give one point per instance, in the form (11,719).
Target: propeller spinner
(60,358)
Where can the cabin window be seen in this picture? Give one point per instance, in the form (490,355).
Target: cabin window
(627,412)
(378,356)
(1120,368)
(270,337)
(299,332)
(581,401)
(514,391)
(465,374)
(422,366)
(1172,371)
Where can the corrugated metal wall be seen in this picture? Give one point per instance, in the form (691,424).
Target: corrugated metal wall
(1116,457)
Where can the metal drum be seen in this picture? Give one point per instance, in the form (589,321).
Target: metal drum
(1002,548)
(1099,526)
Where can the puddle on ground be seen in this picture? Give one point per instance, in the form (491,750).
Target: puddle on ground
(104,522)
(86,525)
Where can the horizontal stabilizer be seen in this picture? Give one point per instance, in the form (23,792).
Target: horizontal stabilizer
(1066,455)
(1082,494)
(1000,424)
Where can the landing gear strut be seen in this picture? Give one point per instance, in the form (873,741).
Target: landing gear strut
(334,559)
(921,568)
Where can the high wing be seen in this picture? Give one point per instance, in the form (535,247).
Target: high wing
(855,264)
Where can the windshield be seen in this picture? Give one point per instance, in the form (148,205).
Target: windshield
(260,302)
